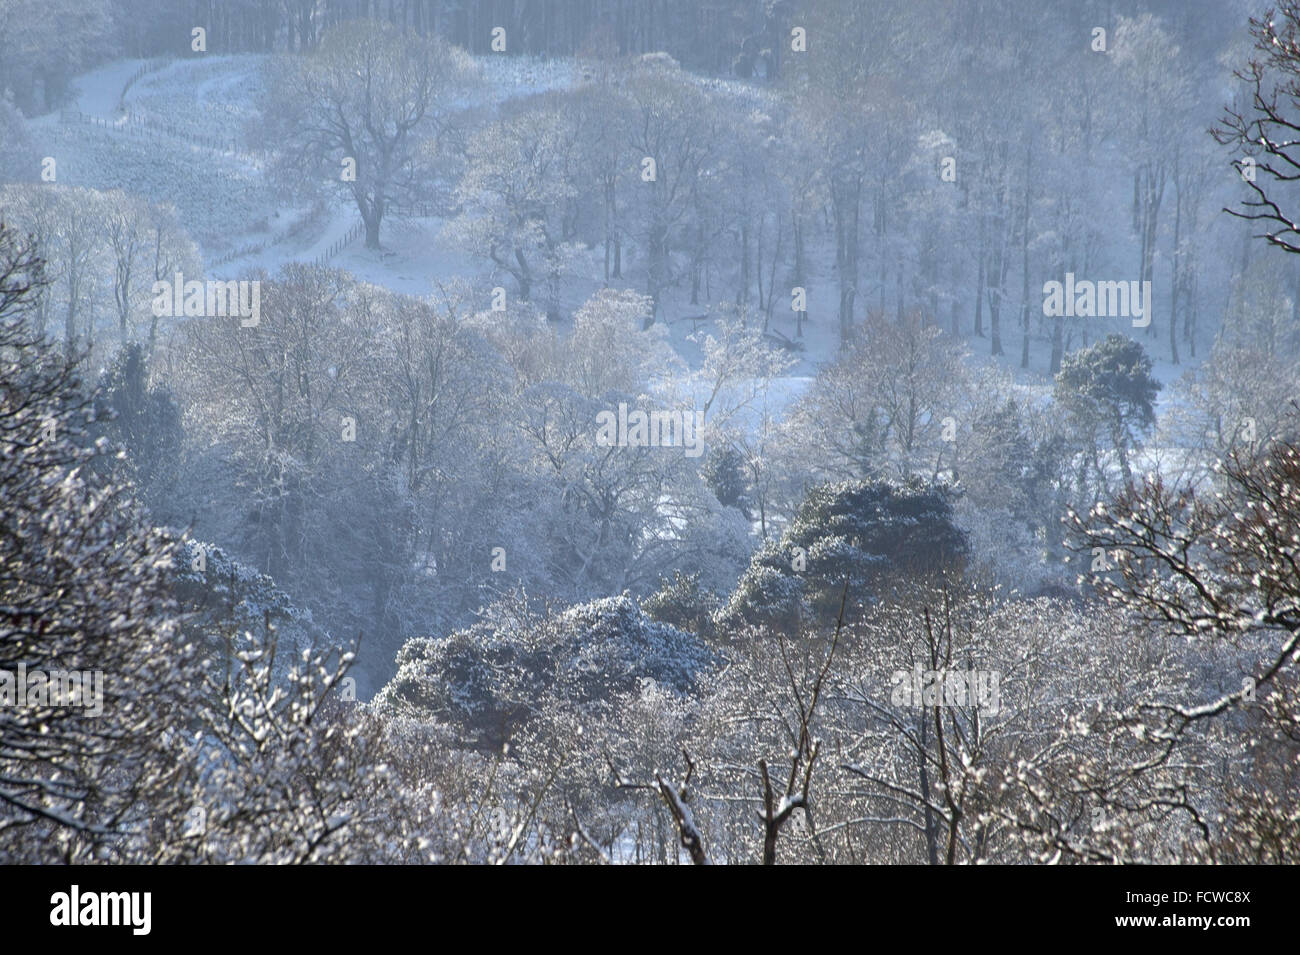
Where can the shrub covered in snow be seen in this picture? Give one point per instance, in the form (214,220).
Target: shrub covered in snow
(494,675)
(854,533)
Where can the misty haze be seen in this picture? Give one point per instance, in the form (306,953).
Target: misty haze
(663,432)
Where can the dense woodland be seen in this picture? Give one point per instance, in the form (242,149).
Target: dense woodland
(364,580)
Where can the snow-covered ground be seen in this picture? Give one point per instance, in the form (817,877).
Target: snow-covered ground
(176,132)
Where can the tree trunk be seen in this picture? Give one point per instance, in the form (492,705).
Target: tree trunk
(931,830)
(1173,292)
(609,226)
(1024,264)
(742,294)
(846,200)
(979,285)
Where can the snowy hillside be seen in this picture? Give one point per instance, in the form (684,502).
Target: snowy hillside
(577,432)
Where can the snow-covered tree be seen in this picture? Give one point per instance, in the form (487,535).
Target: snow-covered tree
(517,192)
(859,534)
(1109,393)
(356,110)
(92,670)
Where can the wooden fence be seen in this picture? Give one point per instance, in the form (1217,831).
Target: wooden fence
(150,66)
(338,245)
